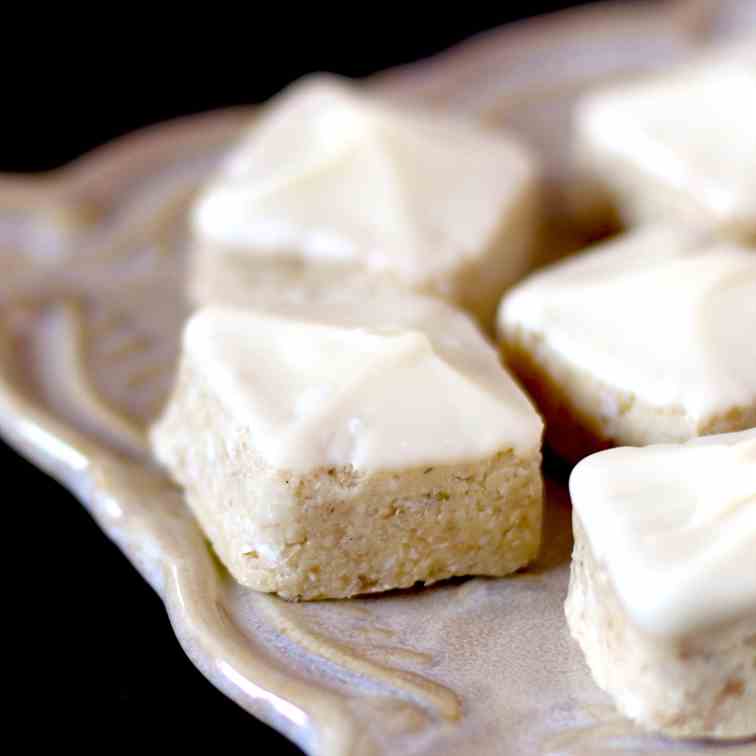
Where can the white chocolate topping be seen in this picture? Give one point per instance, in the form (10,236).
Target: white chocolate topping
(664,314)
(329,174)
(675,526)
(379,387)
(690,130)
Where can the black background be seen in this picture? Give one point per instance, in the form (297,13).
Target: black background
(93,662)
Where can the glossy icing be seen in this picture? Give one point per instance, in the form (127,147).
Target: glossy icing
(376,388)
(689,132)
(675,527)
(331,174)
(664,313)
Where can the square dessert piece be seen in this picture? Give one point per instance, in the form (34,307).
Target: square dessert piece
(647,338)
(662,595)
(353,448)
(677,146)
(332,187)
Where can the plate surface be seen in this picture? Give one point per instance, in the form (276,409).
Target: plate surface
(92,305)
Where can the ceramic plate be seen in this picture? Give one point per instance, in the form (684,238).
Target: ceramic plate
(92,304)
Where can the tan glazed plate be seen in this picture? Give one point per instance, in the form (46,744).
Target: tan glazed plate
(92,303)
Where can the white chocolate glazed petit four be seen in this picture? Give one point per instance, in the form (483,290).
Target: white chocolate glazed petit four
(333,187)
(647,338)
(353,449)
(679,145)
(662,595)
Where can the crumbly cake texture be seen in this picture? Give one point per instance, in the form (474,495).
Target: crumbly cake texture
(663,603)
(347,494)
(675,146)
(332,186)
(643,339)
